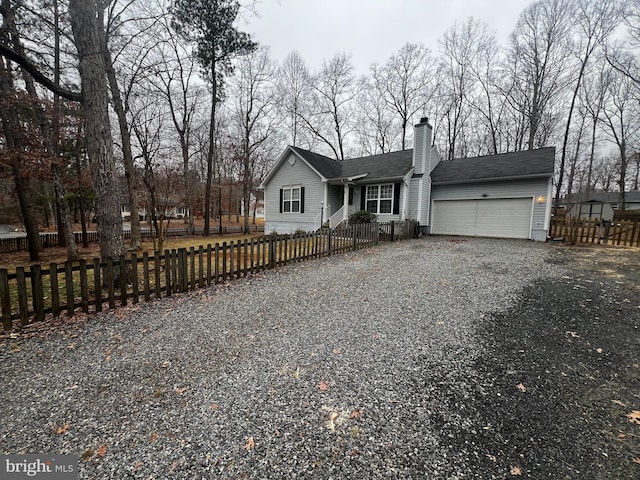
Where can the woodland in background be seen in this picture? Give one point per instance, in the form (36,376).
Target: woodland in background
(171,104)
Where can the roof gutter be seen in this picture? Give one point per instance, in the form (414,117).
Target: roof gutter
(493,179)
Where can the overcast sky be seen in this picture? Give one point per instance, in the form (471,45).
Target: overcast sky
(370,30)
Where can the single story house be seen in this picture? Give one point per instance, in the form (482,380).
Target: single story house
(506,195)
(601,205)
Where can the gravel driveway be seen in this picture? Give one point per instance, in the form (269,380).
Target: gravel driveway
(366,365)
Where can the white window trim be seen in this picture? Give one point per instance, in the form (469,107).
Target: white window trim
(291,200)
(379,199)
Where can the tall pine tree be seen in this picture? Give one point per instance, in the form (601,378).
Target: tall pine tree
(211,26)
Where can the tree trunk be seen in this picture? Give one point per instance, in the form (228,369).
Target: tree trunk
(135,242)
(28,217)
(211,152)
(86,31)
(64,214)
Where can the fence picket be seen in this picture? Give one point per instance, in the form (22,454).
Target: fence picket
(97,284)
(55,294)
(23,302)
(84,287)
(233,260)
(68,284)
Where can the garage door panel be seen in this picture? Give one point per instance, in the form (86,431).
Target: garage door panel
(505,218)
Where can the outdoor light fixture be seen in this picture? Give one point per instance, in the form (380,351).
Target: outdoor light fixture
(540,199)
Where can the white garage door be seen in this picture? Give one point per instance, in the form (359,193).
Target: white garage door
(504,217)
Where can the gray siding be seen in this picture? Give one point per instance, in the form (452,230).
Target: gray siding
(335,197)
(298,174)
(533,188)
(412,204)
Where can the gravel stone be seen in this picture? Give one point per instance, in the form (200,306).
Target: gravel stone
(364,365)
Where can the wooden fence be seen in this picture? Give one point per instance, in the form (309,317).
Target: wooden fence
(42,292)
(8,245)
(617,232)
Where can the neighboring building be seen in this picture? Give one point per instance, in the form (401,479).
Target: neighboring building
(600,205)
(506,195)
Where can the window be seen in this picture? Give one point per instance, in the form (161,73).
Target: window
(291,200)
(379,198)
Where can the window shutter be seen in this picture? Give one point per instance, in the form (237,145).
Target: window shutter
(301,199)
(396,198)
(350,195)
(281,198)
(363,197)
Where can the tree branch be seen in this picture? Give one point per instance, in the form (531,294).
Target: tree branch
(37,75)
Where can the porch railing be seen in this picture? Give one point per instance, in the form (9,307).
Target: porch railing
(336,218)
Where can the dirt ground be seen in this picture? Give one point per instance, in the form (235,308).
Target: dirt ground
(565,367)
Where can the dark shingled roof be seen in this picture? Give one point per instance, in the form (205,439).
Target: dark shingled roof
(377,167)
(325,166)
(530,163)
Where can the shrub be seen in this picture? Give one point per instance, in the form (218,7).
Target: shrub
(362,216)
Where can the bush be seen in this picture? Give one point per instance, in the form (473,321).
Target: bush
(362,216)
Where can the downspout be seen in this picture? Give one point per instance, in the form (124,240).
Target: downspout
(345,201)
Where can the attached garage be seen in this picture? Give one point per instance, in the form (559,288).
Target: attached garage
(506,195)
(496,217)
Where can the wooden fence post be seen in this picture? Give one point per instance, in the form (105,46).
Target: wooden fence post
(55,294)
(5,300)
(123,280)
(182,270)
(23,302)
(68,282)
(329,235)
(97,283)
(84,286)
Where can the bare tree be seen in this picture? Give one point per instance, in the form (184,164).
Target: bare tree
(254,110)
(174,79)
(294,92)
(377,128)
(538,54)
(596,22)
(621,122)
(461,46)
(405,83)
(87,30)
(331,121)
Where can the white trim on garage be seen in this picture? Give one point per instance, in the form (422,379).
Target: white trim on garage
(490,217)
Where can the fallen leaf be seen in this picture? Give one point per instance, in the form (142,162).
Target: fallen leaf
(337,351)
(618,402)
(250,444)
(107,353)
(63,429)
(572,334)
(491,457)
(102,450)
(521,387)
(324,386)
(180,391)
(634,417)
(515,470)
(214,407)
(137,466)
(636,460)
(87,454)
(356,413)
(599,350)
